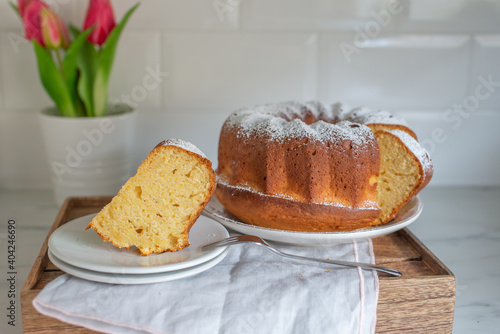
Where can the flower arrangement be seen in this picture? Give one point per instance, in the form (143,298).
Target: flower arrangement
(75,73)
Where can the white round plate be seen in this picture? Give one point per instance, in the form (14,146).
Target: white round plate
(97,276)
(74,245)
(407,215)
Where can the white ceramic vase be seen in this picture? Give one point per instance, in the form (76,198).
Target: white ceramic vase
(88,156)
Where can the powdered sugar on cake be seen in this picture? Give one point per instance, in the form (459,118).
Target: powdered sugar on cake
(280,121)
(368,116)
(185,145)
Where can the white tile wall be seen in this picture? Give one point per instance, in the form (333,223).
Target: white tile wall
(316,14)
(465,151)
(225,71)
(424,60)
(22,162)
(19,79)
(450,16)
(396,71)
(176,14)
(485,67)
(9,18)
(1,71)
(136,85)
(200,128)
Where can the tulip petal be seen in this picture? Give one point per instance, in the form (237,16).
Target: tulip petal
(100,15)
(50,31)
(21,5)
(32,21)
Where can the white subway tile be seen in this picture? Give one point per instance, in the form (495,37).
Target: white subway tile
(395,72)
(464,148)
(22,159)
(8,17)
(443,16)
(484,91)
(202,128)
(227,70)
(319,14)
(67,10)
(175,14)
(2,99)
(132,81)
(21,83)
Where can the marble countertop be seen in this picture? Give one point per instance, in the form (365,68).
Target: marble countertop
(460,225)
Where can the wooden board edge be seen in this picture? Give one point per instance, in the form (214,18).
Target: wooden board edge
(91,200)
(41,259)
(38,268)
(428,257)
(411,306)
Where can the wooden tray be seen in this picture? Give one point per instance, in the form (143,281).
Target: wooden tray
(422,301)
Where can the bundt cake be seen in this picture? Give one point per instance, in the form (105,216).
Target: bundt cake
(156,208)
(309,167)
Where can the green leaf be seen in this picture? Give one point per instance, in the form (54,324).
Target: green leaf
(87,64)
(105,64)
(16,9)
(81,110)
(70,62)
(74,30)
(53,81)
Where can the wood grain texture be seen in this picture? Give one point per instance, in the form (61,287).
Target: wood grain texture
(422,301)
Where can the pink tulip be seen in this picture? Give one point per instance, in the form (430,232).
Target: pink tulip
(32,21)
(54,31)
(100,16)
(21,5)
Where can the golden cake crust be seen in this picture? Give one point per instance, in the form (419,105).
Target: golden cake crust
(298,167)
(286,214)
(304,166)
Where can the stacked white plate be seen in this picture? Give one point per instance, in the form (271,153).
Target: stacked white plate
(83,254)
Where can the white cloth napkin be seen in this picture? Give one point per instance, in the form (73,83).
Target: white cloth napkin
(251,291)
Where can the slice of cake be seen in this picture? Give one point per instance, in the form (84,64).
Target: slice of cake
(405,168)
(156,208)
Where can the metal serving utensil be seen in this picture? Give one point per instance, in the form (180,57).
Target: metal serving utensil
(258,241)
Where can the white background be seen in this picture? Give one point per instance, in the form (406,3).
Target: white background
(418,61)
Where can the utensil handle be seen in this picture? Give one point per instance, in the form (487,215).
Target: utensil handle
(366,266)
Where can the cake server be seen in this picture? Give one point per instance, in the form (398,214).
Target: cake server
(258,241)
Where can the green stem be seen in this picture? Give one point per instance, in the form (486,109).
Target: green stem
(60,62)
